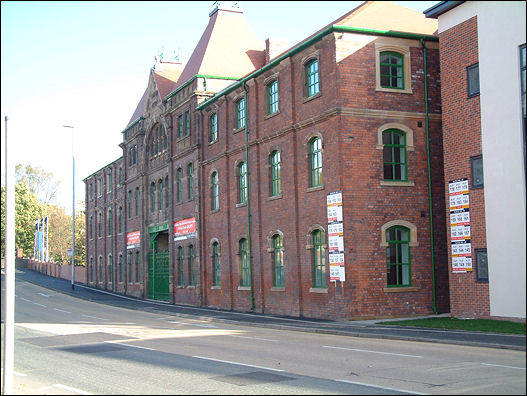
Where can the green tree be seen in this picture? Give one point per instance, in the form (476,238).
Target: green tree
(39,182)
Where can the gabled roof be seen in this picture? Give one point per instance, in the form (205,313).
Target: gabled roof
(227,48)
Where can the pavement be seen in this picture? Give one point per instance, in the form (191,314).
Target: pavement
(356,328)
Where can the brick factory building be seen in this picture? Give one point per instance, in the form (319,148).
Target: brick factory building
(302,181)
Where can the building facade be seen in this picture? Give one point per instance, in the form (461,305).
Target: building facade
(483,60)
(303,181)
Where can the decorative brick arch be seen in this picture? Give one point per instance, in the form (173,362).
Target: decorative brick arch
(404,223)
(395,125)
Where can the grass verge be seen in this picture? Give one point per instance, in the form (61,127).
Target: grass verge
(484,325)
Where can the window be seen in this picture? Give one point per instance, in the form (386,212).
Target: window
(138,267)
(190,179)
(121,268)
(99,225)
(312,79)
(276,186)
(101,270)
(244,263)
(213,128)
(272,97)
(92,275)
(482,266)
(153,197)
(394,155)
(319,259)
(191,256)
(90,189)
(278,261)
(160,195)
(167,201)
(398,256)
(476,165)
(137,199)
(91,227)
(215,201)
(110,262)
(179,185)
(392,70)
(187,123)
(180,126)
(473,80)
(120,219)
(180,258)
(110,181)
(315,161)
(99,187)
(120,175)
(242,183)
(216,264)
(240,114)
(130,267)
(129,204)
(132,155)
(110,222)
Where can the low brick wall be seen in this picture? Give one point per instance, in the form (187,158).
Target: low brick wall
(58,270)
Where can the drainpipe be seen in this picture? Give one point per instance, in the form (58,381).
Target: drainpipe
(429,181)
(248,196)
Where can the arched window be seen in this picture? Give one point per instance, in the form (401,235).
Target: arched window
(137,200)
(101,270)
(120,219)
(180,258)
(394,155)
(312,78)
(92,274)
(242,183)
(130,204)
(110,222)
(153,197)
(215,196)
(315,161)
(110,269)
(216,267)
(272,97)
(276,183)
(160,194)
(191,257)
(121,268)
(99,225)
(392,70)
(130,267)
(190,179)
(91,227)
(179,185)
(278,261)
(138,267)
(167,190)
(319,259)
(244,263)
(398,264)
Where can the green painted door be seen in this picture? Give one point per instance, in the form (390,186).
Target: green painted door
(158,276)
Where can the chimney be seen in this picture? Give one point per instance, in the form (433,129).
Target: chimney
(274,47)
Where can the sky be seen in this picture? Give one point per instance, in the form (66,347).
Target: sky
(86,64)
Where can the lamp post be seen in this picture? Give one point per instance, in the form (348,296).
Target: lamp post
(72,214)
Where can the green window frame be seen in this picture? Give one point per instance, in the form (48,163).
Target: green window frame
(99,225)
(160,194)
(110,260)
(242,183)
(153,196)
(179,185)
(191,257)
(138,267)
(180,259)
(240,114)
(216,264)
(319,259)
(101,270)
(272,97)
(130,267)
(120,175)
(315,161)
(244,263)
(398,257)
(187,122)
(137,200)
(110,181)
(110,222)
(312,78)
(278,261)
(91,227)
(92,274)
(180,126)
(213,128)
(275,166)
(215,196)
(121,268)
(130,204)
(120,219)
(394,155)
(190,180)
(391,70)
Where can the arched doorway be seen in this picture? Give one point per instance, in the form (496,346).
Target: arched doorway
(158,264)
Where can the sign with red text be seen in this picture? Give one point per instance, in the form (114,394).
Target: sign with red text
(460,241)
(133,239)
(185,229)
(335,237)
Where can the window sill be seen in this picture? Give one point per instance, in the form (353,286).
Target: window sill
(244,288)
(272,115)
(394,183)
(318,290)
(400,289)
(241,205)
(214,141)
(191,287)
(278,289)
(273,197)
(394,90)
(309,98)
(316,188)
(238,130)
(214,211)
(215,288)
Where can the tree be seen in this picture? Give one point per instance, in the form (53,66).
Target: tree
(39,182)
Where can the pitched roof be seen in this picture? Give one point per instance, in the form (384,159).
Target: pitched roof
(227,48)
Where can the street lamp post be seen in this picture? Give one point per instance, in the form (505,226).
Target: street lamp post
(72,214)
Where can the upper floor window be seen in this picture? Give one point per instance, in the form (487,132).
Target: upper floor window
(91,227)
(398,271)
(181,126)
(278,261)
(120,219)
(90,191)
(99,187)
(120,175)
(215,197)
(473,80)
(187,122)
(110,222)
(190,180)
(158,140)
(160,194)
(153,197)
(242,183)
(213,128)
(315,161)
(240,114)
(394,155)
(129,204)
(132,155)
(275,162)
(272,97)
(312,78)
(99,225)
(137,200)
(179,185)
(392,70)
(244,263)
(110,180)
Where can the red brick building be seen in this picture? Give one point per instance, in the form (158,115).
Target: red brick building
(302,181)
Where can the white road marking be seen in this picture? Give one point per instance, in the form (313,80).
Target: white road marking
(500,365)
(252,338)
(40,305)
(383,387)
(239,364)
(74,390)
(25,299)
(45,295)
(130,345)
(61,310)
(93,317)
(365,350)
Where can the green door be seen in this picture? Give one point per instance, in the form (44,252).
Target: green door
(158,276)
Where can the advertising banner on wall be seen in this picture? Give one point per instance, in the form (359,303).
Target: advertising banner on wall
(185,229)
(460,241)
(335,237)
(133,239)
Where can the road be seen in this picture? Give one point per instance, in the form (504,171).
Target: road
(65,345)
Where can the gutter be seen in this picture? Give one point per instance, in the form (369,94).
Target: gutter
(432,250)
(309,42)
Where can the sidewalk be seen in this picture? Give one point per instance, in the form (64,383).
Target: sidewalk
(365,328)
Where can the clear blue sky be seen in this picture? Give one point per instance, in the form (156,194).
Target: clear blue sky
(87,64)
